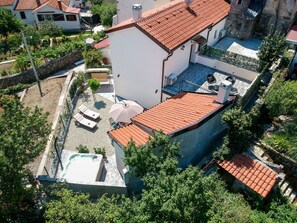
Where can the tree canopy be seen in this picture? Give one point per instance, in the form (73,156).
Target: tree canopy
(93,58)
(9,23)
(106,11)
(23,134)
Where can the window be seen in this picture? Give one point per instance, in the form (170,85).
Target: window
(58,17)
(239,2)
(71,17)
(215,35)
(23,15)
(42,17)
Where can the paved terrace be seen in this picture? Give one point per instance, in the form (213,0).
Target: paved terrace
(247,48)
(196,74)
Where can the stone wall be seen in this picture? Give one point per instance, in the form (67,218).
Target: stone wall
(43,71)
(277,15)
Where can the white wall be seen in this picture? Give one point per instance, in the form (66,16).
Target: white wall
(228,68)
(75,3)
(218,27)
(179,60)
(124,7)
(120,158)
(30,18)
(106,53)
(65,25)
(137,60)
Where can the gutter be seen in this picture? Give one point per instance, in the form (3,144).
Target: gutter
(163,71)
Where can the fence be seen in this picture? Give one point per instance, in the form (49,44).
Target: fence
(245,62)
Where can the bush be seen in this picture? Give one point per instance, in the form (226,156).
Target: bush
(94,84)
(49,28)
(73,88)
(82,149)
(93,58)
(14,89)
(286,59)
(100,150)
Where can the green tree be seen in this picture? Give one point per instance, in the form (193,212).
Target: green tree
(23,134)
(94,84)
(106,11)
(282,100)
(32,35)
(93,58)
(150,157)
(49,28)
(271,49)
(9,23)
(22,62)
(14,41)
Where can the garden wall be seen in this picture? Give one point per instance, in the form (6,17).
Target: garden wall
(43,71)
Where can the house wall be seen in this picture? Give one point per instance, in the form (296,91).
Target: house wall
(124,7)
(75,3)
(30,18)
(197,143)
(106,53)
(10,8)
(120,156)
(228,68)
(137,66)
(65,25)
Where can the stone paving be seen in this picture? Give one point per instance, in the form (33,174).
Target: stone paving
(98,136)
(247,48)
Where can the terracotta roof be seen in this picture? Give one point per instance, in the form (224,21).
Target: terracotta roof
(102,44)
(125,134)
(179,112)
(173,24)
(250,172)
(6,2)
(54,4)
(292,35)
(28,4)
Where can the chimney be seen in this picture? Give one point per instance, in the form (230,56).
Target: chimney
(137,11)
(38,2)
(60,4)
(188,2)
(224,91)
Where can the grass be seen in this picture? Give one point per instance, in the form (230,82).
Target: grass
(285,140)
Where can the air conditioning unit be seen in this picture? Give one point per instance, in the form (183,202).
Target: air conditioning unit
(222,33)
(171,79)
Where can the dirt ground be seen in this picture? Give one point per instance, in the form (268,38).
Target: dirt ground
(51,90)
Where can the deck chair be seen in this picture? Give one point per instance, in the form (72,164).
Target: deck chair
(79,119)
(87,112)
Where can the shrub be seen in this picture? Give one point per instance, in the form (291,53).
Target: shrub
(73,88)
(99,150)
(93,58)
(94,84)
(49,28)
(82,149)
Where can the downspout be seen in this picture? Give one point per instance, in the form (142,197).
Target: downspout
(209,29)
(163,71)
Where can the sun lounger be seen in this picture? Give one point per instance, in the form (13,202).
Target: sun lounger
(79,119)
(87,112)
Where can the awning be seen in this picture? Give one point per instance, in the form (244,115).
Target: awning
(200,40)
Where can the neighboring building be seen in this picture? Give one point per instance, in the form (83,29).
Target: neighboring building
(193,119)
(149,48)
(124,8)
(242,18)
(249,173)
(8,4)
(63,12)
(104,47)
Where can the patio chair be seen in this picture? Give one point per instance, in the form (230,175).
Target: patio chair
(79,119)
(87,112)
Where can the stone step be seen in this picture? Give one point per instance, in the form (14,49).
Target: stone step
(284,186)
(292,196)
(288,191)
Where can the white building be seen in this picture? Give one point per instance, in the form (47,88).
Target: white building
(152,46)
(124,8)
(65,13)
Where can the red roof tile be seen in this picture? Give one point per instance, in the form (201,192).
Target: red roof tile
(125,134)
(28,4)
(173,24)
(245,165)
(64,6)
(6,2)
(179,112)
(102,44)
(292,35)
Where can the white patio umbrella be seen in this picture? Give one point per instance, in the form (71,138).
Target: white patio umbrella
(124,111)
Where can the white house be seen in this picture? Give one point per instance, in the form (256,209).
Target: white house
(150,47)
(124,8)
(8,4)
(193,119)
(65,13)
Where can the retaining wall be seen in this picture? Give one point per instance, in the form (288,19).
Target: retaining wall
(43,71)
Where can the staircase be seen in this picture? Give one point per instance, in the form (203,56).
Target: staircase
(287,191)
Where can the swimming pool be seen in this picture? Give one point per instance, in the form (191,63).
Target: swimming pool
(83,168)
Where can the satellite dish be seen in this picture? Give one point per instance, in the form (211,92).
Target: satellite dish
(188,2)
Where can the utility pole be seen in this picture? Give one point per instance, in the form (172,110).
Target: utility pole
(32,62)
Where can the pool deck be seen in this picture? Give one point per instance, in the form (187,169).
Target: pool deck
(247,48)
(193,79)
